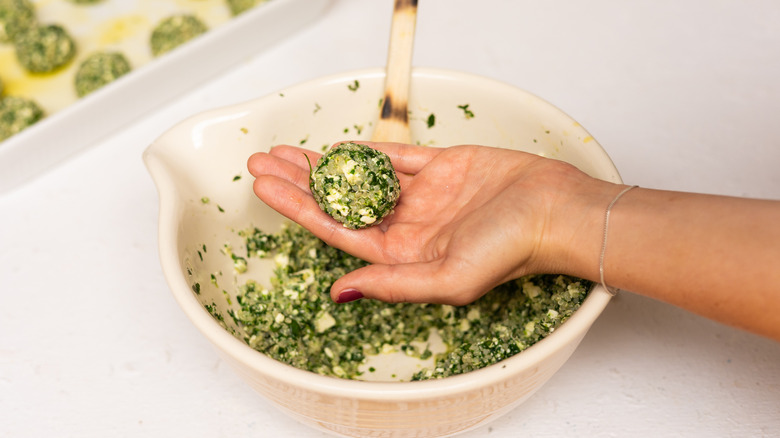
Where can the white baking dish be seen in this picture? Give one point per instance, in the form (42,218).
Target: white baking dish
(73,124)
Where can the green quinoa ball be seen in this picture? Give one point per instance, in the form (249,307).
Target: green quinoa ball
(98,70)
(43,49)
(174,31)
(15,17)
(17,113)
(239,6)
(355,184)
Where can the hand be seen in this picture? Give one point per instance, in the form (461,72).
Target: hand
(468,219)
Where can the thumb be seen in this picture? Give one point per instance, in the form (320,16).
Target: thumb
(424,282)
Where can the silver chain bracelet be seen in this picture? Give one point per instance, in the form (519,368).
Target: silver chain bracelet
(611,291)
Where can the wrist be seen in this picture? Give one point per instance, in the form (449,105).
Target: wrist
(574,240)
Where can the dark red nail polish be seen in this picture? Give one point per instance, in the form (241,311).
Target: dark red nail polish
(348,295)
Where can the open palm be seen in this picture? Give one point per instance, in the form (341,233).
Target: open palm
(469,218)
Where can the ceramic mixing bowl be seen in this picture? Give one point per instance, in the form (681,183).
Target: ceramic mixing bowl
(199,167)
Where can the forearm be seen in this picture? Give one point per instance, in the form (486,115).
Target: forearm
(715,256)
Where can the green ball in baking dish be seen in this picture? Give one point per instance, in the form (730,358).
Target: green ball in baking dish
(175,31)
(239,6)
(16,16)
(99,69)
(16,114)
(44,49)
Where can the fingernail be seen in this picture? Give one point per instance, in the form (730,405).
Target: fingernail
(348,295)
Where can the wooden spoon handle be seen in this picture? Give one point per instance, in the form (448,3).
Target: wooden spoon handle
(393,123)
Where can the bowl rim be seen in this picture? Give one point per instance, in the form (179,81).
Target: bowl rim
(170,207)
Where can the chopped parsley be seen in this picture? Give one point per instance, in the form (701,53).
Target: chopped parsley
(431,120)
(354,86)
(239,263)
(466,111)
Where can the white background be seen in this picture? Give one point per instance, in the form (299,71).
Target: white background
(682,95)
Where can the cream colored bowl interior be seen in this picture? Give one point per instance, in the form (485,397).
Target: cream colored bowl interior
(205,157)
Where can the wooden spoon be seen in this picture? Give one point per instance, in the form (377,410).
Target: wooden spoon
(393,123)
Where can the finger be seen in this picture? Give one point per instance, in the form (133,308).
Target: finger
(289,199)
(264,164)
(424,282)
(298,205)
(303,157)
(407,158)
(410,163)
(300,156)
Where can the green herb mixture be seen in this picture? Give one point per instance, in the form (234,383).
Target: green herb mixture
(295,321)
(355,184)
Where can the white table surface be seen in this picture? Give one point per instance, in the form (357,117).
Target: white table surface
(682,95)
